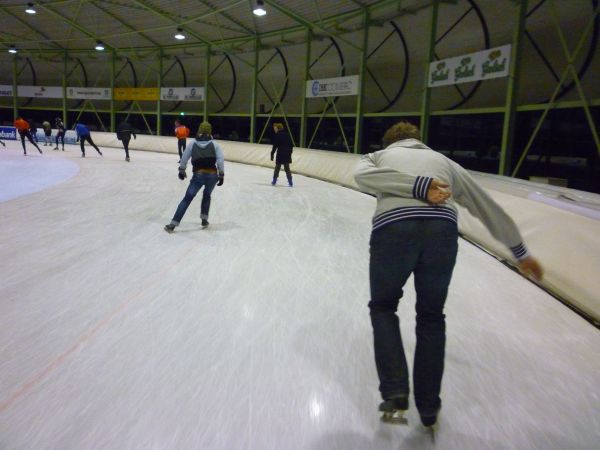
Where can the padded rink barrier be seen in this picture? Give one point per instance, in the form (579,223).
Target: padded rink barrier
(560,226)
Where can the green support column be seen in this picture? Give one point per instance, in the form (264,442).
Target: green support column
(206,81)
(508,128)
(64,86)
(254,92)
(426,101)
(15,93)
(158,102)
(112,90)
(361,85)
(305,78)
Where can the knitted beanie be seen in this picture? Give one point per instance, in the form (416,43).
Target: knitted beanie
(205,128)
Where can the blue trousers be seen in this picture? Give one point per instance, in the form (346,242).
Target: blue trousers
(426,248)
(208,180)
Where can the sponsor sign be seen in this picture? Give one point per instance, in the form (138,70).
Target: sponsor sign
(484,65)
(6,90)
(89,93)
(189,94)
(40,91)
(332,87)
(136,93)
(8,133)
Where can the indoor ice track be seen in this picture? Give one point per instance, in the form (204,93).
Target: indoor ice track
(253,333)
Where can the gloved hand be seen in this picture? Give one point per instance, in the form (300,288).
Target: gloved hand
(221,179)
(182,175)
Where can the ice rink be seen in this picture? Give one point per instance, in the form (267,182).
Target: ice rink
(253,333)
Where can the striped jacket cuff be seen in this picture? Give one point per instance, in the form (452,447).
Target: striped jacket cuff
(421,187)
(519,251)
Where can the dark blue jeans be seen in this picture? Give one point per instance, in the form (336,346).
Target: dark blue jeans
(208,180)
(427,248)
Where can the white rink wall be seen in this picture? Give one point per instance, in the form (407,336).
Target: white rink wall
(560,226)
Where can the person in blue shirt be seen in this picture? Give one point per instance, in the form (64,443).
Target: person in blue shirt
(209,171)
(83,134)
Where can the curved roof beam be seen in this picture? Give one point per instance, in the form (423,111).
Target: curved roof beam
(49,41)
(122,22)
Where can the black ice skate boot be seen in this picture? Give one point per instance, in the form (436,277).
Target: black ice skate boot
(393,410)
(205,223)
(429,419)
(169,228)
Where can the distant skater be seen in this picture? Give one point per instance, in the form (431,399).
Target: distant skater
(415,232)
(33,130)
(22,127)
(282,145)
(60,126)
(182,132)
(208,166)
(124,132)
(47,133)
(83,134)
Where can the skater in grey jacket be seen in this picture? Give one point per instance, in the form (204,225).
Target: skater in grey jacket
(208,167)
(415,232)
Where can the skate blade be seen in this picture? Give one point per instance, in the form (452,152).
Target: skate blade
(394,418)
(432,431)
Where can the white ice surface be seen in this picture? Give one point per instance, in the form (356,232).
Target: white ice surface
(254,333)
(21,175)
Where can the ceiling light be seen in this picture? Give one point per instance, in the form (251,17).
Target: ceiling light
(99,46)
(259,10)
(12,49)
(179,35)
(30,9)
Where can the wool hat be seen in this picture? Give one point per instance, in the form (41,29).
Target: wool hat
(205,128)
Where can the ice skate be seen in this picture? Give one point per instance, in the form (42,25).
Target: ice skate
(274,182)
(430,422)
(40,150)
(99,152)
(55,148)
(83,155)
(169,228)
(290,183)
(3,144)
(205,223)
(127,158)
(393,411)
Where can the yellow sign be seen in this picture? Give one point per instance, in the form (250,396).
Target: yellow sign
(137,93)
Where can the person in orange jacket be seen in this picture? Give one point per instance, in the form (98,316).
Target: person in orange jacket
(22,127)
(182,132)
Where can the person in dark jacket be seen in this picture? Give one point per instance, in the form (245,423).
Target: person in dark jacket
(124,132)
(33,129)
(60,126)
(83,134)
(282,145)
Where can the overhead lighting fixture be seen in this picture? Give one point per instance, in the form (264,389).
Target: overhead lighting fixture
(179,35)
(30,9)
(99,46)
(259,10)
(12,49)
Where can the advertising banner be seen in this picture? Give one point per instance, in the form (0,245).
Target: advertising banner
(484,65)
(332,87)
(136,93)
(6,90)
(89,93)
(187,94)
(40,91)
(8,133)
